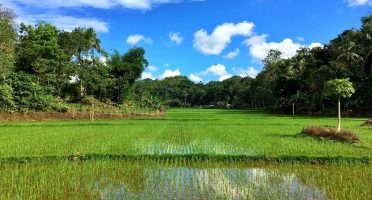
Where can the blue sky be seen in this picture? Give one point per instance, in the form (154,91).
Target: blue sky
(202,39)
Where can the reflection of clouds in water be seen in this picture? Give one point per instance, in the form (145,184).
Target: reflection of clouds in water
(215,183)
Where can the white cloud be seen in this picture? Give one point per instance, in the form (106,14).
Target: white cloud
(152,68)
(224,77)
(102,4)
(69,23)
(217,70)
(137,38)
(300,38)
(232,54)
(147,75)
(315,45)
(259,47)
(103,60)
(250,71)
(221,36)
(170,73)
(359,2)
(176,38)
(195,78)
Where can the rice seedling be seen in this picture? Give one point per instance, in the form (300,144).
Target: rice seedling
(189,154)
(180,179)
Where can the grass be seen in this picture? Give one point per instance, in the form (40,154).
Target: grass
(182,132)
(189,154)
(182,179)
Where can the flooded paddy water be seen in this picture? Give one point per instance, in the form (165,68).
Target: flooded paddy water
(183,179)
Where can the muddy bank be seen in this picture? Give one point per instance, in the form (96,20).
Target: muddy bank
(53,116)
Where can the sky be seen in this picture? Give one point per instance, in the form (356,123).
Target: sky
(205,40)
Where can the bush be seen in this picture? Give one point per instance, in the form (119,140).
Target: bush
(6,99)
(28,93)
(330,134)
(59,105)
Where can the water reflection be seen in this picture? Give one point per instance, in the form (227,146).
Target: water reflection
(211,183)
(182,179)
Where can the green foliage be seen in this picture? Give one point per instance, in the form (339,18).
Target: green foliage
(125,70)
(339,88)
(7,39)
(276,86)
(28,94)
(38,52)
(6,98)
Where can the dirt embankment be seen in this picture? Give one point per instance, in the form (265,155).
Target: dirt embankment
(52,116)
(367,123)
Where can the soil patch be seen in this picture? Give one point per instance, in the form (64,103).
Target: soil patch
(53,116)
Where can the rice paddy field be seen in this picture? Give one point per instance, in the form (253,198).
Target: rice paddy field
(188,154)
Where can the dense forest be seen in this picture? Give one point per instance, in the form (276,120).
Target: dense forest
(284,83)
(44,68)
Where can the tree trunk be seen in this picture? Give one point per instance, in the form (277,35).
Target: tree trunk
(339,116)
(81,89)
(293,109)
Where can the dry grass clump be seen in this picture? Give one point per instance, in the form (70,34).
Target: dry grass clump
(367,123)
(330,134)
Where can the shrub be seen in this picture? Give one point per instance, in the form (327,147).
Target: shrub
(6,99)
(330,134)
(59,105)
(28,94)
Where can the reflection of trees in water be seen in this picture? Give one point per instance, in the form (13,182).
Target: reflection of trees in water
(177,179)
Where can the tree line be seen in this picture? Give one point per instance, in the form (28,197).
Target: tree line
(40,65)
(288,85)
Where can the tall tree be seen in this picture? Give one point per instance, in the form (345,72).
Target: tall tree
(39,53)
(125,70)
(84,42)
(7,41)
(339,88)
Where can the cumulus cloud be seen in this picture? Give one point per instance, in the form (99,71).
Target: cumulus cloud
(250,71)
(359,2)
(217,70)
(232,54)
(195,78)
(170,73)
(147,75)
(216,42)
(137,38)
(152,68)
(224,77)
(176,38)
(259,47)
(315,45)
